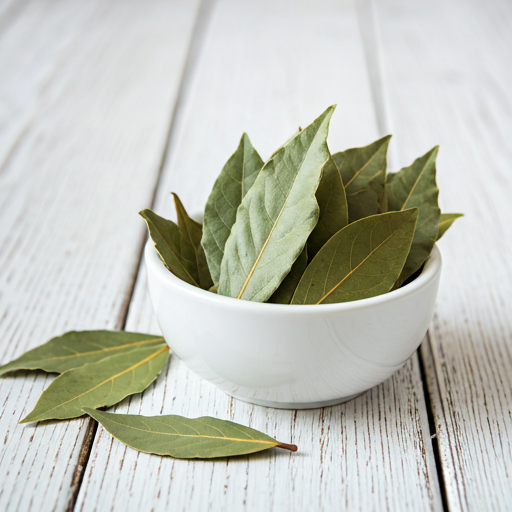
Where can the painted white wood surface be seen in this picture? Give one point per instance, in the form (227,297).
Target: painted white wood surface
(449,73)
(266,67)
(86,98)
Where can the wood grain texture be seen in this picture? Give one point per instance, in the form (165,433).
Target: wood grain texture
(449,79)
(86,98)
(373,453)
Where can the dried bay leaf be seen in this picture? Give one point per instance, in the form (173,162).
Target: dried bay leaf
(235,180)
(184,438)
(276,217)
(171,247)
(284,294)
(191,248)
(445,221)
(332,202)
(415,186)
(362,260)
(363,171)
(76,348)
(100,384)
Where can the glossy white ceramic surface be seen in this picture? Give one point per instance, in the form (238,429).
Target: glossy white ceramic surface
(293,357)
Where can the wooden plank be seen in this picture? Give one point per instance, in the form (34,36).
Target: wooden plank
(449,75)
(87,93)
(267,67)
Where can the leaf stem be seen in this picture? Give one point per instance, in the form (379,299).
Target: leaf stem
(291,447)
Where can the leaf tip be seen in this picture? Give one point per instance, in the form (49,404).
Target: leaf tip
(385,140)
(177,202)
(26,419)
(327,114)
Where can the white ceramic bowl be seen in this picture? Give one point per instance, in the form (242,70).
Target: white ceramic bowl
(292,357)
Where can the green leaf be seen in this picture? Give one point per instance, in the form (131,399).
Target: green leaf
(171,248)
(332,202)
(363,171)
(276,216)
(214,288)
(415,186)
(100,384)
(191,249)
(233,183)
(184,438)
(362,260)
(77,348)
(284,294)
(445,221)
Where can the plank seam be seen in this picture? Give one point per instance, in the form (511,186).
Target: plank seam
(371,40)
(434,379)
(196,40)
(428,392)
(193,51)
(83,461)
(195,45)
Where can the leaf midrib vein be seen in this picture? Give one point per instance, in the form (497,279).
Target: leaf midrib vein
(416,182)
(119,347)
(189,235)
(176,254)
(353,270)
(275,224)
(111,379)
(361,169)
(201,436)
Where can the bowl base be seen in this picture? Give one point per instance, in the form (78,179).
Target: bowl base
(296,405)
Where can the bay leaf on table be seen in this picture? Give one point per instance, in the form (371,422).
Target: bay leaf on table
(231,186)
(332,202)
(363,171)
(184,438)
(445,221)
(171,247)
(276,217)
(362,260)
(76,348)
(285,291)
(191,249)
(415,186)
(100,384)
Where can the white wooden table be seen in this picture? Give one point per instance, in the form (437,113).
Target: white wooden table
(105,107)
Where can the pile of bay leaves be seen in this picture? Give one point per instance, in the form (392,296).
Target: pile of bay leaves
(307,226)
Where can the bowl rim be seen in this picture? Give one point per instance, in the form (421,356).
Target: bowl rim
(430,272)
